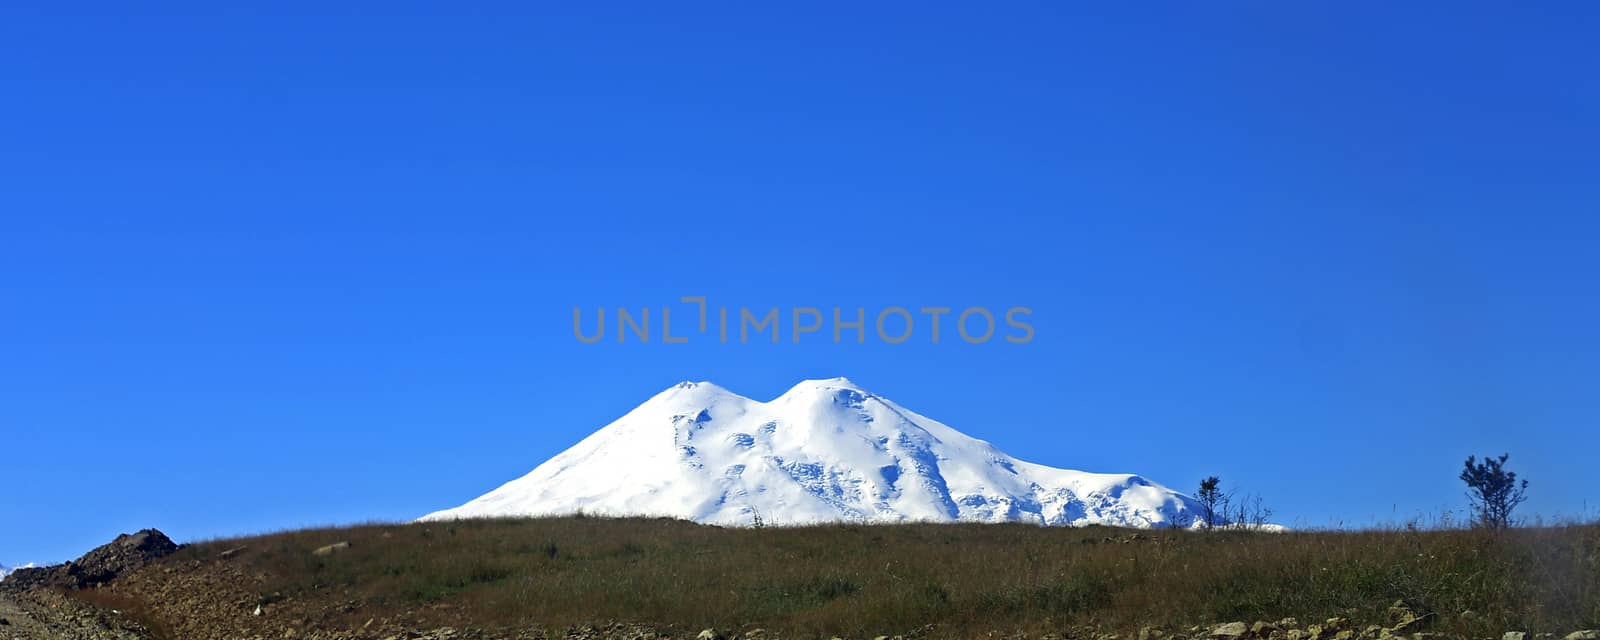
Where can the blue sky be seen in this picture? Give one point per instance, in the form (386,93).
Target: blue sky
(267,266)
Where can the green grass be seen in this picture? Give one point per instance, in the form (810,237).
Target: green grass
(860,581)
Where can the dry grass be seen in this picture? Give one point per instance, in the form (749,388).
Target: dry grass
(860,581)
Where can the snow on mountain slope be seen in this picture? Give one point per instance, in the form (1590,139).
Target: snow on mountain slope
(824,451)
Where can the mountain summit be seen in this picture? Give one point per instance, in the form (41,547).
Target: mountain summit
(824,451)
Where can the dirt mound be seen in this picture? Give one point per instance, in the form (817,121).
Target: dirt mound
(103,564)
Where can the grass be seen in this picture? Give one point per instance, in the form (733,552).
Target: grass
(861,581)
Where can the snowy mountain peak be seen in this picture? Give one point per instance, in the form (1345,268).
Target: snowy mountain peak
(840,382)
(823,451)
(685,394)
(809,389)
(694,389)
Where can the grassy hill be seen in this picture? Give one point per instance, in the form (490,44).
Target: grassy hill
(958,580)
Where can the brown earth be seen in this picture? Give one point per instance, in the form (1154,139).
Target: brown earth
(44,614)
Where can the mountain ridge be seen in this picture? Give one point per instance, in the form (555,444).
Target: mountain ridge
(826,450)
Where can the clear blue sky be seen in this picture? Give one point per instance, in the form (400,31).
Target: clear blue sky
(274,266)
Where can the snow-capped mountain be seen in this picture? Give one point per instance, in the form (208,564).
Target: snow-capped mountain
(824,451)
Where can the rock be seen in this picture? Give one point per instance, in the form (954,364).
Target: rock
(1294,634)
(1514,635)
(1589,634)
(1403,619)
(30,577)
(1262,628)
(1150,633)
(1398,608)
(1288,623)
(331,549)
(1229,630)
(229,553)
(1336,624)
(709,634)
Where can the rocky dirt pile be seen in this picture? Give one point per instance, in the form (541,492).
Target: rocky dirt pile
(128,552)
(44,614)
